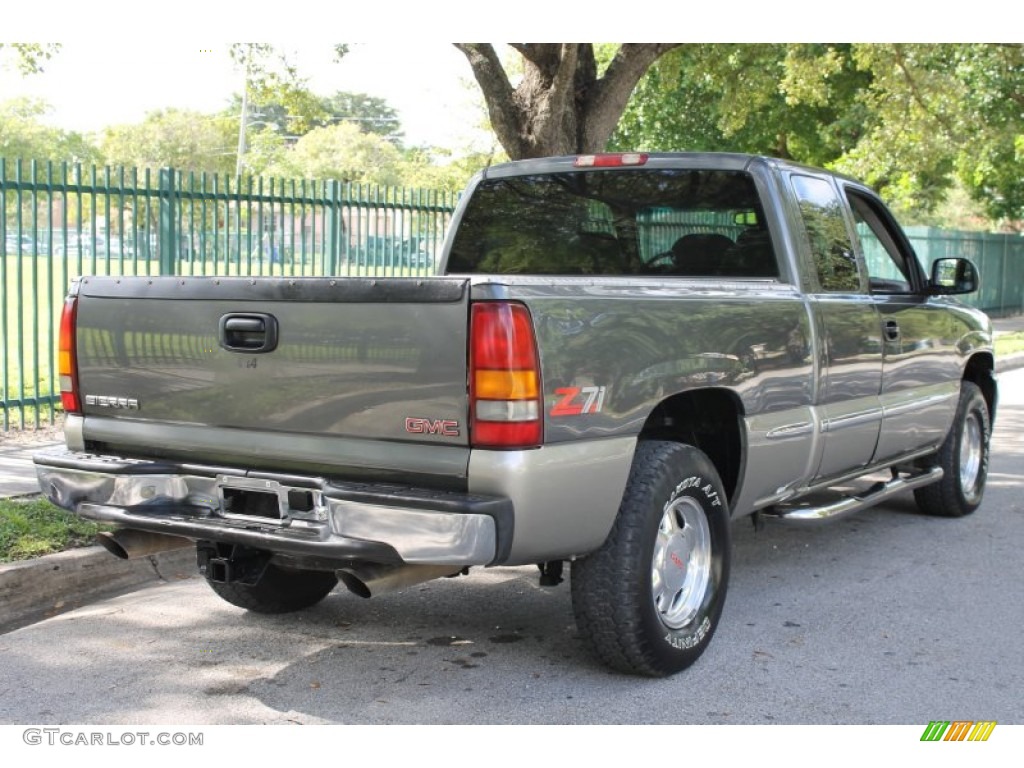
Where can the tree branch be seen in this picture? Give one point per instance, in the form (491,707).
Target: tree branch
(609,95)
(541,54)
(506,119)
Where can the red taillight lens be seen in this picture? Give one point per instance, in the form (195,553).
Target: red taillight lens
(504,378)
(67,358)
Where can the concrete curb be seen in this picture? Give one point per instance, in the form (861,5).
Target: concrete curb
(32,590)
(1010,362)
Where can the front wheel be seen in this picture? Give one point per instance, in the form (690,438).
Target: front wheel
(963,458)
(649,600)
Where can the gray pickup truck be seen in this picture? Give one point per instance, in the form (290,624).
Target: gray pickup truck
(620,355)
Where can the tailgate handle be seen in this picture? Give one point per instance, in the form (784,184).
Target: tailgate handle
(248,332)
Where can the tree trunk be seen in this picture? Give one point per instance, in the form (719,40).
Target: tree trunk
(561,106)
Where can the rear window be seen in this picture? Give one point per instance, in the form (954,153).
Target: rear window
(687,223)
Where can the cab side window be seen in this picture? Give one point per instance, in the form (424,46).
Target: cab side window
(887,264)
(827,235)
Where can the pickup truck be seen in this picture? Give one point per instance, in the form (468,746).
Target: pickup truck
(619,356)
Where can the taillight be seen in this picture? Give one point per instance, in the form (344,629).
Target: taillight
(504,378)
(67,358)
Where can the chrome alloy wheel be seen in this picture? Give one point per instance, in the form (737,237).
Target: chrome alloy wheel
(970,453)
(681,568)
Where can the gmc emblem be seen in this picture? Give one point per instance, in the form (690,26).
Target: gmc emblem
(443,427)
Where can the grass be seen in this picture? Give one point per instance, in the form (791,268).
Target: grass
(33,527)
(1009,343)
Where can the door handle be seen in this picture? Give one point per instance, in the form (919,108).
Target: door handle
(892,330)
(248,332)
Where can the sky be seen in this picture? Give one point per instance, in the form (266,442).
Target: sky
(122,59)
(91,84)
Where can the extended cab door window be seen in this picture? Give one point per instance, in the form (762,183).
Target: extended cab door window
(829,240)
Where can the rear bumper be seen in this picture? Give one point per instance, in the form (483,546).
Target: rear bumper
(315,518)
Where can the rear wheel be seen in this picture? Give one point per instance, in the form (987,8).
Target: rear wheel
(649,600)
(963,458)
(279,590)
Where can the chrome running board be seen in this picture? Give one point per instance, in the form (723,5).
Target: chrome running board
(876,494)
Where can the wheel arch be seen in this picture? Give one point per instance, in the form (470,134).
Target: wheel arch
(980,369)
(710,420)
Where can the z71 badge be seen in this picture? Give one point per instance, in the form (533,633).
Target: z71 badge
(574,401)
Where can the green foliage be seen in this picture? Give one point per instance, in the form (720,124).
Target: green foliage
(269,77)
(188,141)
(914,120)
(29,57)
(342,152)
(790,101)
(33,527)
(370,113)
(24,135)
(442,169)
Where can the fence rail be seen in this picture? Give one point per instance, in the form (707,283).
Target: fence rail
(60,221)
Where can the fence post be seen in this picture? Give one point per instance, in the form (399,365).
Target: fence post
(168,222)
(333,227)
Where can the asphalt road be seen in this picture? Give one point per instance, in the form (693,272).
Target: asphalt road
(884,617)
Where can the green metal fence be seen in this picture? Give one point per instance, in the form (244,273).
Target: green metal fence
(60,221)
(998,257)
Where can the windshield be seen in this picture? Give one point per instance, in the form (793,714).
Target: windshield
(693,223)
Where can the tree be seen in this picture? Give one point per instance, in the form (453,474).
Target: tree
(29,57)
(187,141)
(342,152)
(370,113)
(914,120)
(443,169)
(268,77)
(941,112)
(24,136)
(562,104)
(790,101)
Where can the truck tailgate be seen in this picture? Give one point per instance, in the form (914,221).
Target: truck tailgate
(352,358)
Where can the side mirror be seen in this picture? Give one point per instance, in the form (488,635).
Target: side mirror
(953,276)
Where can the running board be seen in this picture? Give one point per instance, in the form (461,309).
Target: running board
(876,494)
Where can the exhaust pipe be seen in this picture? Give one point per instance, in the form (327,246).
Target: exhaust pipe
(129,543)
(371,580)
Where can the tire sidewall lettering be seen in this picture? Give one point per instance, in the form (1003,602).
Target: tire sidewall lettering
(684,642)
(697,632)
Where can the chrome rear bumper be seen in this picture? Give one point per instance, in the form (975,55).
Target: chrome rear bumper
(295,515)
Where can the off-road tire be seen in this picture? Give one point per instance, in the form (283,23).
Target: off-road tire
(963,457)
(649,600)
(279,590)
